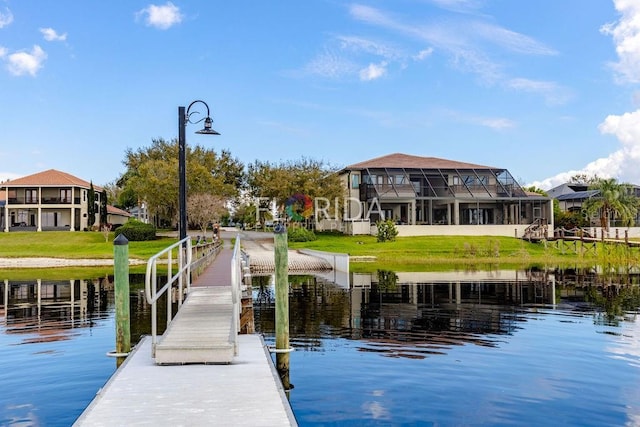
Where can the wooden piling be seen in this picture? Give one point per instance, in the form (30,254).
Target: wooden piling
(282,303)
(121,285)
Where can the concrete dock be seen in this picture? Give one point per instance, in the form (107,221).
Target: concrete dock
(247,392)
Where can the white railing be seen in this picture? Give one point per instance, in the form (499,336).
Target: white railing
(182,276)
(236,289)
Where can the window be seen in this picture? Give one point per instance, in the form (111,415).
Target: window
(355,181)
(65,195)
(31,195)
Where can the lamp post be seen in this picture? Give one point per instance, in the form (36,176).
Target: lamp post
(183,119)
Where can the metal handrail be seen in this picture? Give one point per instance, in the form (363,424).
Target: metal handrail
(236,290)
(182,275)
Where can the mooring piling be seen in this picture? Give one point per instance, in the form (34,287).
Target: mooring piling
(282,303)
(121,290)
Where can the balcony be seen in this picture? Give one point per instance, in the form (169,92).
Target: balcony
(45,201)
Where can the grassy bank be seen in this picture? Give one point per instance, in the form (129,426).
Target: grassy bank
(67,245)
(429,253)
(76,245)
(423,253)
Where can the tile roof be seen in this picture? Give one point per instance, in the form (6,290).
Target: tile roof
(112,210)
(49,178)
(399,160)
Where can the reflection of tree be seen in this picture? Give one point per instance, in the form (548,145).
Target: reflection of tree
(261,286)
(614,300)
(387,280)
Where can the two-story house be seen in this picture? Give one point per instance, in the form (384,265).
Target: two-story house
(49,200)
(429,191)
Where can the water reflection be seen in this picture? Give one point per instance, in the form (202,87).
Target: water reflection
(417,314)
(47,310)
(492,348)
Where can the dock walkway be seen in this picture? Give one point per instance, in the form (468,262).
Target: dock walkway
(247,392)
(172,391)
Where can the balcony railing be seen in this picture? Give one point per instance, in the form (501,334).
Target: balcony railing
(45,201)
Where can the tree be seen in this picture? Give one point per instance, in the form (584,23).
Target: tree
(204,208)
(91,206)
(582,178)
(534,189)
(387,230)
(103,208)
(152,176)
(312,178)
(614,200)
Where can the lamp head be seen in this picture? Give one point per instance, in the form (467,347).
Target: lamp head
(208,130)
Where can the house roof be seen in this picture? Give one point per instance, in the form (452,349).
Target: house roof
(112,210)
(406,161)
(49,178)
(579,195)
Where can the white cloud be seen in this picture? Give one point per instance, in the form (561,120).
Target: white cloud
(626,35)
(373,71)
(622,164)
(3,51)
(6,18)
(499,123)
(21,63)
(423,54)
(495,123)
(458,5)
(358,44)
(463,41)
(330,64)
(51,35)
(161,17)
(553,93)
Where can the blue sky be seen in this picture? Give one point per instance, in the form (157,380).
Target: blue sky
(544,88)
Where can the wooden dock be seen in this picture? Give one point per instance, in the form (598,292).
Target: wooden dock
(202,373)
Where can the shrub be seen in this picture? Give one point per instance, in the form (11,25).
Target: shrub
(300,234)
(387,230)
(136,231)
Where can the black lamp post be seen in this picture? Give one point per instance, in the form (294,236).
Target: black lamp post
(183,119)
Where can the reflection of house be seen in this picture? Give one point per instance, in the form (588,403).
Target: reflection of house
(49,200)
(51,307)
(428,191)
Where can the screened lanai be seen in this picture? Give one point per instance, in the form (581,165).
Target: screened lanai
(416,190)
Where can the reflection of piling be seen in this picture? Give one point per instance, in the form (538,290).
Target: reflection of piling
(282,304)
(121,286)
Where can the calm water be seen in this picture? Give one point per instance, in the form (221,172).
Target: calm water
(503,351)
(500,348)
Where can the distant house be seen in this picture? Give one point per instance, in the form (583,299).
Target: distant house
(49,200)
(426,193)
(117,216)
(571,197)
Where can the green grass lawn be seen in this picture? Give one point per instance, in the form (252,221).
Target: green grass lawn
(76,245)
(68,245)
(423,253)
(428,253)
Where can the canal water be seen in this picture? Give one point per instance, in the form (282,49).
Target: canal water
(390,348)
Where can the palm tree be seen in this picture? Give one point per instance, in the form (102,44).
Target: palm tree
(614,200)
